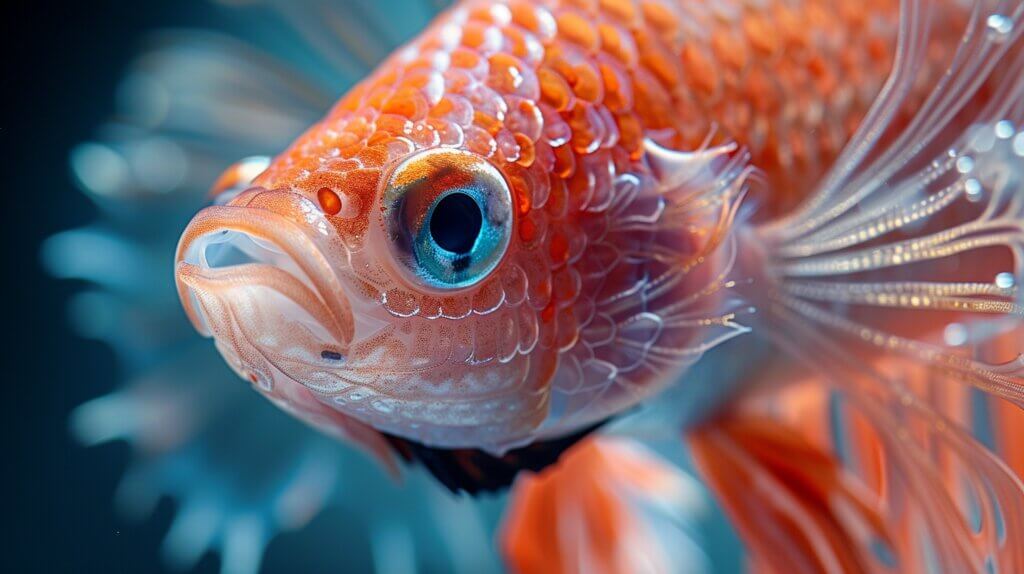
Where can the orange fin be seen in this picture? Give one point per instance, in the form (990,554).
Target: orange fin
(608,506)
(822,481)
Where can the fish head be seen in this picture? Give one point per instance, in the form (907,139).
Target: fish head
(396,291)
(447,259)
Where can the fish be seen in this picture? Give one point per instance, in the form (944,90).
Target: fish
(539,219)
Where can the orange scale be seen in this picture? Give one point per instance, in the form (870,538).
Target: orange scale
(509,75)
(559,248)
(527,153)
(763,91)
(528,230)
(825,79)
(465,58)
(700,71)
(659,16)
(488,123)
(630,134)
(588,84)
(589,7)
(557,205)
(481,36)
(611,131)
(729,50)
(587,129)
(554,89)
(535,19)
(617,43)
(377,96)
(565,161)
(491,14)
(521,193)
(448,133)
(407,102)
(791,27)
(544,158)
(547,315)
(568,329)
(762,34)
(428,83)
(523,117)
(618,91)
(394,124)
(580,189)
(508,147)
(523,45)
(479,141)
(425,135)
(576,28)
(620,10)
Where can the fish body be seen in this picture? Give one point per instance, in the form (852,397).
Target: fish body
(532,219)
(617,129)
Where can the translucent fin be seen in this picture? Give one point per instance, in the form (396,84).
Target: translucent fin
(608,506)
(827,474)
(914,244)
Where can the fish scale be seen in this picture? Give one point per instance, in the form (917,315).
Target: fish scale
(553,83)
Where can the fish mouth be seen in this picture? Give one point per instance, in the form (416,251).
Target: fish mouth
(260,276)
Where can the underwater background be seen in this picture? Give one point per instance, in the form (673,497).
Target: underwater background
(130,446)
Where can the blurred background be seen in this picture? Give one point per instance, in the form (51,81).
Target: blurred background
(64,62)
(168,465)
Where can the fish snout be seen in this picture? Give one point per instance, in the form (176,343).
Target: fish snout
(260,275)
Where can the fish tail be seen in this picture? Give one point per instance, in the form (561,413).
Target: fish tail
(913,244)
(896,286)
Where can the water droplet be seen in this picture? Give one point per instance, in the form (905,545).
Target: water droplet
(1005,280)
(965,164)
(955,334)
(999,24)
(1018,145)
(1004,130)
(973,189)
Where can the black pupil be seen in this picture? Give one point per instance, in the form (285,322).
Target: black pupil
(455,223)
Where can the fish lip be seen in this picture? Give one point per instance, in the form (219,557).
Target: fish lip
(270,216)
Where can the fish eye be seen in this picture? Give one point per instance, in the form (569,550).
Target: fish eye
(448,218)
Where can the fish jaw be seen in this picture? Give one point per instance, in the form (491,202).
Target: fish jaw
(260,275)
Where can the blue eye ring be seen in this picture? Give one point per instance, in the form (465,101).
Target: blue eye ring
(448,218)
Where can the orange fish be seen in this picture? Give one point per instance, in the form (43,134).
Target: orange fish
(537,216)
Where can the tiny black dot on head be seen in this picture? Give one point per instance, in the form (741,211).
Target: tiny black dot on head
(331,355)
(456,222)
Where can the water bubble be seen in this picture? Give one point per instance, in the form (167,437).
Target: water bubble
(1005,280)
(1004,130)
(973,189)
(1018,145)
(965,164)
(999,24)
(955,334)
